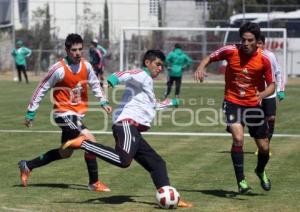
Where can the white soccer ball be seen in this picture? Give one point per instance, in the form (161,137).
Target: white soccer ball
(167,197)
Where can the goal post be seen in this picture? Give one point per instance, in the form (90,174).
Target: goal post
(197,42)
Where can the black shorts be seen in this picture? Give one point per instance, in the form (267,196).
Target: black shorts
(71,126)
(252,117)
(21,67)
(269,106)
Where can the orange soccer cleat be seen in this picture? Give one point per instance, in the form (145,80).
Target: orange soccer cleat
(74,143)
(98,187)
(184,204)
(24,172)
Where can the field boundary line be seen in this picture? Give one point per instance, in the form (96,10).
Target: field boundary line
(203,134)
(15,209)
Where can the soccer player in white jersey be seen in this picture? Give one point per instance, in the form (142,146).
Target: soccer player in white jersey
(269,103)
(134,115)
(69,79)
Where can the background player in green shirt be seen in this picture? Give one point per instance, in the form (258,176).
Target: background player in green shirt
(176,61)
(20,53)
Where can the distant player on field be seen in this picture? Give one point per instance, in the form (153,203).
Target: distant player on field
(134,115)
(69,79)
(20,54)
(247,71)
(269,103)
(96,55)
(176,61)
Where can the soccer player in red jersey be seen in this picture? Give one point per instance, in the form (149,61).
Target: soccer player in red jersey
(247,71)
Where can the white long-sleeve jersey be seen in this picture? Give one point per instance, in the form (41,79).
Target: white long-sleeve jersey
(138,101)
(54,75)
(279,75)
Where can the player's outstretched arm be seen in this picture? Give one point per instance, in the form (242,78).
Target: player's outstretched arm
(49,80)
(200,73)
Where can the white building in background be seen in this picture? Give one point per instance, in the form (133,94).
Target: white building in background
(129,13)
(184,13)
(122,13)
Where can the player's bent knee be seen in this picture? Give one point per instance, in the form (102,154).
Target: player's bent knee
(263,146)
(88,135)
(271,118)
(238,141)
(125,163)
(238,138)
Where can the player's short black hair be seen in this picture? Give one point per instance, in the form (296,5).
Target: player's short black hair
(262,38)
(177,46)
(250,27)
(152,55)
(71,39)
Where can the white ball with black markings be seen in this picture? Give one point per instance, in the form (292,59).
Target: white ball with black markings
(167,197)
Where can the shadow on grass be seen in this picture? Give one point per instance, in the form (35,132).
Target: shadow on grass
(102,200)
(229,152)
(118,199)
(57,185)
(224,194)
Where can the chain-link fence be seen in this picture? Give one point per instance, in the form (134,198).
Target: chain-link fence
(89,19)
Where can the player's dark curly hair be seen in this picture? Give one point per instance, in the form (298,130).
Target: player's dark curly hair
(72,39)
(152,55)
(250,27)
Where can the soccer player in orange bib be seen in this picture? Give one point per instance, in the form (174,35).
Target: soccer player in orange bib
(69,79)
(247,71)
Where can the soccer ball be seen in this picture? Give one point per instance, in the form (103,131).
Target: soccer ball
(167,197)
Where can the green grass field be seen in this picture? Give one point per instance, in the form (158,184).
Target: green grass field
(199,167)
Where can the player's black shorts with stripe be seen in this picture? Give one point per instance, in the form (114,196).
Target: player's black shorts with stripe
(269,106)
(130,145)
(71,126)
(252,117)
